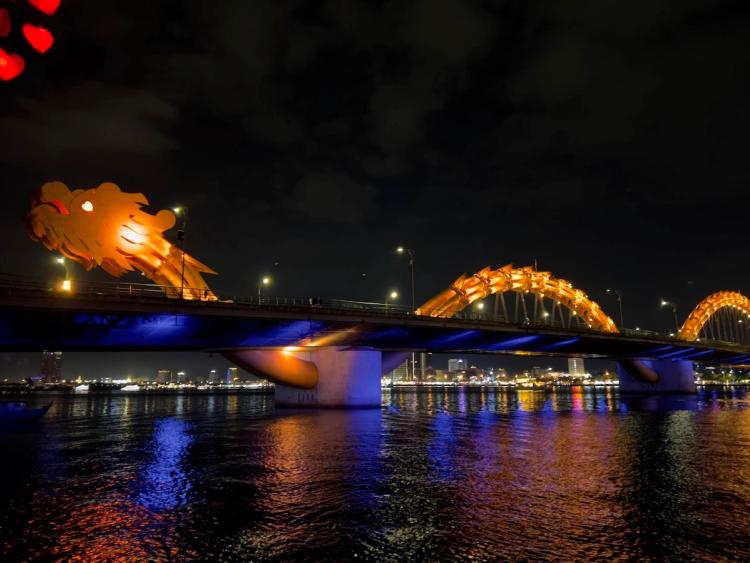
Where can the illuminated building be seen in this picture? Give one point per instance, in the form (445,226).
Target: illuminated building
(456,364)
(164,376)
(231,375)
(51,368)
(401,373)
(421,367)
(575,367)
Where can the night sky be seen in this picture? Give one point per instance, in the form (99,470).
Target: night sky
(605,140)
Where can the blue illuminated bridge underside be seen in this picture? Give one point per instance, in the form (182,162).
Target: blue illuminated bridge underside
(36,320)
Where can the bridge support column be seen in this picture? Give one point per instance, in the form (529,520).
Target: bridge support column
(656,376)
(347,378)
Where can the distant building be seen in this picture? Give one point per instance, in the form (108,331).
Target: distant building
(421,368)
(164,376)
(538,372)
(456,364)
(213,378)
(401,373)
(231,375)
(51,368)
(575,367)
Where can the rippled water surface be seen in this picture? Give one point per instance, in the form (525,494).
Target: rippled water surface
(434,475)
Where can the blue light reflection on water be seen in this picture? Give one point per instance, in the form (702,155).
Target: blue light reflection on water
(165,482)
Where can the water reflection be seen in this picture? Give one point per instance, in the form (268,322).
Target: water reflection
(438,474)
(165,481)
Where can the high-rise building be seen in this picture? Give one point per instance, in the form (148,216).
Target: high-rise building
(231,375)
(164,376)
(51,368)
(421,369)
(456,365)
(575,367)
(213,379)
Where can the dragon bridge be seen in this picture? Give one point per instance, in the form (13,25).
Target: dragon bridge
(724,316)
(561,294)
(108,228)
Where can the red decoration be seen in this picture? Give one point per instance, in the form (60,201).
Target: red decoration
(10,65)
(4,22)
(49,7)
(60,207)
(38,37)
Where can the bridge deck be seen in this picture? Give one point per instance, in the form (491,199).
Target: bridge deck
(32,319)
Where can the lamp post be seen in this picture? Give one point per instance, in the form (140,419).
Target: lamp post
(390,298)
(66,284)
(181,239)
(618,294)
(479,308)
(410,253)
(262,281)
(671,305)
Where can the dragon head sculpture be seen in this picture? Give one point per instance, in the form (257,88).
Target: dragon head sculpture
(106,227)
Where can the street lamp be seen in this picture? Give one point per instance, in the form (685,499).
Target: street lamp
(479,308)
(618,294)
(410,253)
(670,304)
(263,281)
(390,298)
(181,239)
(67,284)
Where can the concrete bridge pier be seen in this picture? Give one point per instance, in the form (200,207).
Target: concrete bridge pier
(329,377)
(347,378)
(656,376)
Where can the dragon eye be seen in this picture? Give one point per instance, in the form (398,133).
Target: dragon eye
(87,206)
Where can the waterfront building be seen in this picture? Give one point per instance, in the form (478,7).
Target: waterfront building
(441,375)
(401,373)
(456,364)
(164,376)
(51,368)
(575,367)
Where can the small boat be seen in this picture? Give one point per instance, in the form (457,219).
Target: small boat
(17,411)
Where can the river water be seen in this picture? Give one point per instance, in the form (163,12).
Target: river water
(435,475)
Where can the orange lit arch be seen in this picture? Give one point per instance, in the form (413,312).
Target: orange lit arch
(468,289)
(693,325)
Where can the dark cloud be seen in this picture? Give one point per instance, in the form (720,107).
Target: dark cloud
(604,139)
